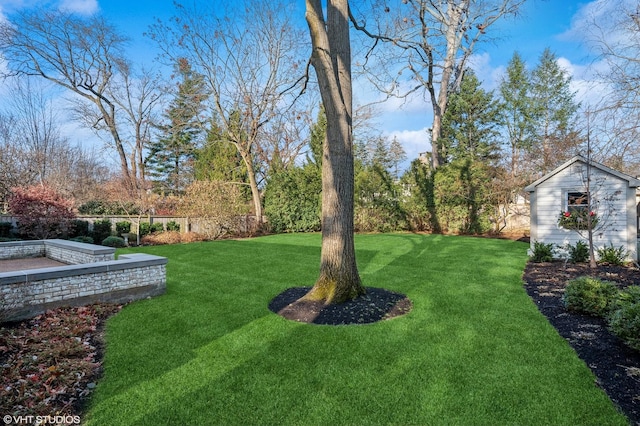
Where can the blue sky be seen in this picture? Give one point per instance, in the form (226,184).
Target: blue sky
(544,23)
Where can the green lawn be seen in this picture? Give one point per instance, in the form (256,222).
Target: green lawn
(473,351)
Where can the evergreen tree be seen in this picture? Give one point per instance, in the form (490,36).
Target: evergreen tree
(555,111)
(517,113)
(379,153)
(170,159)
(219,160)
(292,197)
(397,155)
(469,126)
(318,134)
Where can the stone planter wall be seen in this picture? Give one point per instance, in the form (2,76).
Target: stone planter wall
(24,294)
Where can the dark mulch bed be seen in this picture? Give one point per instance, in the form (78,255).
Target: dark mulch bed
(615,365)
(376,305)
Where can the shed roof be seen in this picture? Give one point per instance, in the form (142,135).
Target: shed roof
(633,182)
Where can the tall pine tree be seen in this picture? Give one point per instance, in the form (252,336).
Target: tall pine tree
(170,159)
(555,110)
(469,127)
(517,113)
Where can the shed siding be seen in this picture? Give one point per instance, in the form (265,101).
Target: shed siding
(610,195)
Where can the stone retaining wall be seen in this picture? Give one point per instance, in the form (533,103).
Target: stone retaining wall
(24,294)
(16,250)
(70,252)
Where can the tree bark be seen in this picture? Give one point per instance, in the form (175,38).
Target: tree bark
(339,279)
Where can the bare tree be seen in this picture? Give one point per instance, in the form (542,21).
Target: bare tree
(14,163)
(251,58)
(430,43)
(33,151)
(612,30)
(135,99)
(339,279)
(36,128)
(84,56)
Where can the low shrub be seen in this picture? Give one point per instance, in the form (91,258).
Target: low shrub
(626,297)
(78,228)
(542,252)
(5,229)
(625,323)
(612,255)
(171,237)
(113,241)
(123,227)
(101,229)
(192,237)
(173,226)
(578,253)
(590,296)
(147,228)
(82,239)
(631,294)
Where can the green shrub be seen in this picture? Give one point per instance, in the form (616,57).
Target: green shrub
(631,294)
(292,200)
(542,252)
(590,296)
(5,229)
(123,227)
(101,229)
(83,239)
(578,253)
(79,228)
(626,297)
(612,255)
(173,226)
(625,323)
(147,228)
(113,241)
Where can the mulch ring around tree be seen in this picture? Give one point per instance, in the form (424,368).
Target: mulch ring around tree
(376,305)
(615,365)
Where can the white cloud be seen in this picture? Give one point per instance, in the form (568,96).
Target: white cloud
(83,7)
(489,77)
(589,89)
(601,21)
(414,142)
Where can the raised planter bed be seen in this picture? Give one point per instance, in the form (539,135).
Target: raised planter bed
(91,274)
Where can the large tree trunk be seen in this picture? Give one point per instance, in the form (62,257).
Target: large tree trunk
(339,280)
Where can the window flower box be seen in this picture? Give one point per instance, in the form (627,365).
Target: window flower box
(577,219)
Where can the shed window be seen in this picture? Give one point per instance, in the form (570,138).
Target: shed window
(577,202)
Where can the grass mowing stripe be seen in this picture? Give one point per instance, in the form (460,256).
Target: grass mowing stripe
(474,350)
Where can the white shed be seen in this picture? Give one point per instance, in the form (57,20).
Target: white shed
(559,205)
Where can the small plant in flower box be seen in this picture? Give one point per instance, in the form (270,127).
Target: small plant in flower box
(577,219)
